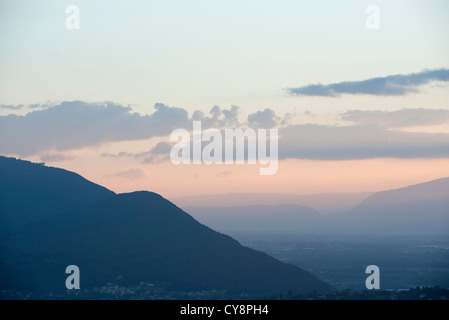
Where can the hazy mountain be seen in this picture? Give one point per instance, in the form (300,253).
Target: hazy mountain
(421,208)
(262,218)
(325,203)
(129,239)
(31,191)
(418,209)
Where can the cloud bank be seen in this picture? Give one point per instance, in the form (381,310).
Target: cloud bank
(77,124)
(394,85)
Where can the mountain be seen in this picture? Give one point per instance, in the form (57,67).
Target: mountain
(421,208)
(31,192)
(130,239)
(324,203)
(285,218)
(141,237)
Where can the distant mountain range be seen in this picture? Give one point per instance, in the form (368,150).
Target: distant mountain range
(417,209)
(324,203)
(422,209)
(53,218)
(259,218)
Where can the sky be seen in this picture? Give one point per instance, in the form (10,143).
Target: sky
(357,109)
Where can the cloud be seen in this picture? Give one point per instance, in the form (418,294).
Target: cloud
(41,105)
(23,106)
(357,142)
(263,119)
(309,114)
(397,119)
(224,174)
(77,124)
(131,174)
(11,107)
(74,125)
(160,153)
(56,157)
(118,155)
(394,85)
(218,118)
(157,154)
(318,142)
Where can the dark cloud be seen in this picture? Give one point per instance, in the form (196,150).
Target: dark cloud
(77,124)
(265,119)
(398,119)
(394,85)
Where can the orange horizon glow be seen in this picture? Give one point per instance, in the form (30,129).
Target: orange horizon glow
(293,177)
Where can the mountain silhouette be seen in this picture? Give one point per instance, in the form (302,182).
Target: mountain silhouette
(30,192)
(134,238)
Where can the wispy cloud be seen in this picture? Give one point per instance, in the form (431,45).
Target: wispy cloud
(24,106)
(11,107)
(131,174)
(394,85)
(118,155)
(319,142)
(57,157)
(399,118)
(224,174)
(159,153)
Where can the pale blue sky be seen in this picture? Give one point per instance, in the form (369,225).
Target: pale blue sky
(194,54)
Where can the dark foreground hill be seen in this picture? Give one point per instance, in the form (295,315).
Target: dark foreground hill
(30,192)
(136,238)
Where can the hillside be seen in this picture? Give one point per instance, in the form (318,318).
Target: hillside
(31,192)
